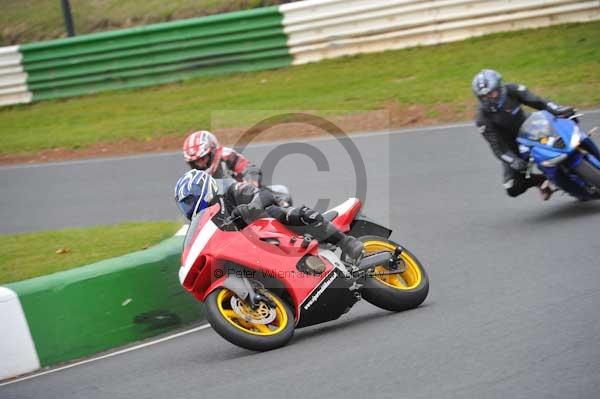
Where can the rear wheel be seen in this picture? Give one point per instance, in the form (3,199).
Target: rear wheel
(399,291)
(260,329)
(589,173)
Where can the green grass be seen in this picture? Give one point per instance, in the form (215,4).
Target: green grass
(25,21)
(28,255)
(562,63)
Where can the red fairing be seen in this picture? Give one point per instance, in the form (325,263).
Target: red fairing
(208,215)
(215,250)
(347,212)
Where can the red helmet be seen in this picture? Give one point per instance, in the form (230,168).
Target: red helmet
(202,151)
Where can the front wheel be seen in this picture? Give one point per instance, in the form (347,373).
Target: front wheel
(394,292)
(589,173)
(260,329)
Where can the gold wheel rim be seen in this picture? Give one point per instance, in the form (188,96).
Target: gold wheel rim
(247,326)
(408,280)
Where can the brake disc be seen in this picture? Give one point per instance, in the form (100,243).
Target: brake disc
(263,314)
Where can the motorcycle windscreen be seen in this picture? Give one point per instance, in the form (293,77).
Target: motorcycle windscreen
(193,227)
(537,126)
(223,184)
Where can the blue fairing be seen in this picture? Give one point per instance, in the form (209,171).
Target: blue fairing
(552,144)
(593,160)
(564,127)
(575,159)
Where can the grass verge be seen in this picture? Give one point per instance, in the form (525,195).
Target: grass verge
(29,255)
(562,63)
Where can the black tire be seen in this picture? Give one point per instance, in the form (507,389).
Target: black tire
(246,339)
(589,173)
(397,298)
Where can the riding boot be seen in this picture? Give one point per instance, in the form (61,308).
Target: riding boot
(352,248)
(542,184)
(306,221)
(546,190)
(536,180)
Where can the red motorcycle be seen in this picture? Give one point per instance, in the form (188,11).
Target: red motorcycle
(263,281)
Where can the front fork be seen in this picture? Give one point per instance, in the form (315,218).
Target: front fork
(591,151)
(243,289)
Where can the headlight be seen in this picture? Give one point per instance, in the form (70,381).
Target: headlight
(576,137)
(559,143)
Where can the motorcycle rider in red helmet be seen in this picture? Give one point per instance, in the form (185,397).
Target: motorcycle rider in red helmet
(202,151)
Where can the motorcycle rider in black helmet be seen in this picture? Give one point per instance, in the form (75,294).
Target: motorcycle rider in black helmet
(499,117)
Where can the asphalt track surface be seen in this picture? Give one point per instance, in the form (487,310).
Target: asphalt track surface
(512,311)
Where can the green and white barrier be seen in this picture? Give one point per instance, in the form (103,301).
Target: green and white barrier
(149,55)
(13,80)
(259,39)
(17,350)
(79,312)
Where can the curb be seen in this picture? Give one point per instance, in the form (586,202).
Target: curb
(83,311)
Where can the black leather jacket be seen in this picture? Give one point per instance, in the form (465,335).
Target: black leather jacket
(501,128)
(254,202)
(258,202)
(240,193)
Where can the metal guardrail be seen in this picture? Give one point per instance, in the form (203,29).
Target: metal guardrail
(321,29)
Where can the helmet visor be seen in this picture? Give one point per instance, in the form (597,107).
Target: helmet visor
(492,95)
(202,163)
(187,206)
(492,99)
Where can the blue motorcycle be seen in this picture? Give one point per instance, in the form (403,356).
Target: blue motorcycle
(565,154)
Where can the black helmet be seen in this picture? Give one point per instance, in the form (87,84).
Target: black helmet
(490,91)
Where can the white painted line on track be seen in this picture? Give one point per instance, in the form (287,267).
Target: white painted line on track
(358,135)
(120,352)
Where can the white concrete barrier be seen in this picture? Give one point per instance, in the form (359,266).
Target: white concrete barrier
(17,351)
(13,80)
(321,29)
